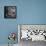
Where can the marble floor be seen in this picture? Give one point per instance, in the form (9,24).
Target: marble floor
(9,45)
(28,43)
(34,43)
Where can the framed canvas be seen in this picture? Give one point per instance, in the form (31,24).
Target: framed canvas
(10,12)
(32,32)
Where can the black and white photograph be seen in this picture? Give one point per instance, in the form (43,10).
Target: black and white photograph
(10,12)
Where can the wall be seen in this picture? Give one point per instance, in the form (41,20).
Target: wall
(28,12)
